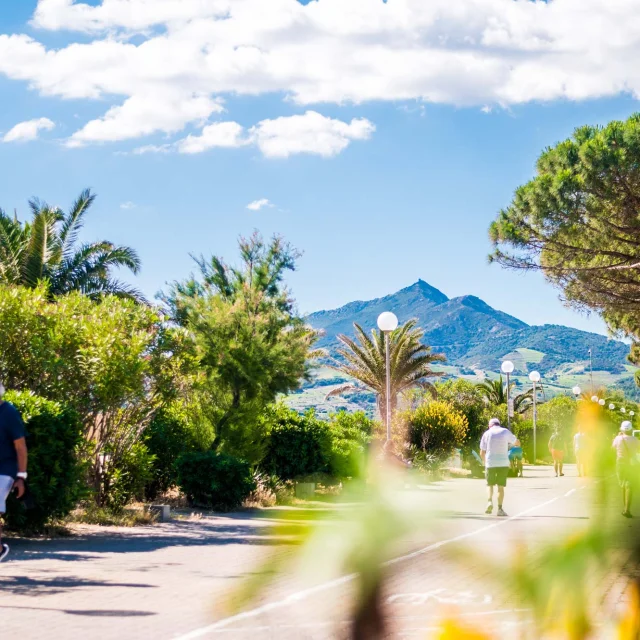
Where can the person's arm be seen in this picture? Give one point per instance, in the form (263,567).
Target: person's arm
(21,451)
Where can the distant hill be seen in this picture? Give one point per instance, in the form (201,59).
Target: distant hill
(475,338)
(473,334)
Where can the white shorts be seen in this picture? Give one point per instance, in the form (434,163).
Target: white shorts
(6,484)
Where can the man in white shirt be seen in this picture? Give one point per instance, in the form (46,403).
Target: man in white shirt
(494,449)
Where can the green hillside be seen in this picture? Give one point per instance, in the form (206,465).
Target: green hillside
(475,339)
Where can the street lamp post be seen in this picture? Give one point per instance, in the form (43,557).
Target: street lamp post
(534,376)
(507,368)
(387,322)
(591,368)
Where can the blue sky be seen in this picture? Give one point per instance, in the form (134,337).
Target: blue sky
(381,174)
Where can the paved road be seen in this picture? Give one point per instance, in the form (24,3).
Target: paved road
(165,582)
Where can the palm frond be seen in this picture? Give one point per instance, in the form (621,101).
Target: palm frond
(364,359)
(73,222)
(341,390)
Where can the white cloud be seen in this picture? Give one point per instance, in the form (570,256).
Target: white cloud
(152,148)
(309,133)
(128,205)
(256,205)
(187,54)
(144,115)
(29,130)
(219,134)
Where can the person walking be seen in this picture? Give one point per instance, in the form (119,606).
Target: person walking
(13,458)
(494,449)
(581,451)
(557,448)
(627,448)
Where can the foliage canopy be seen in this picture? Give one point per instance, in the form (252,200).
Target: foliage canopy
(410,362)
(47,250)
(578,221)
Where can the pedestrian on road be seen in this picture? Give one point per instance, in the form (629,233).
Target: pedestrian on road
(557,448)
(494,449)
(13,458)
(627,448)
(581,451)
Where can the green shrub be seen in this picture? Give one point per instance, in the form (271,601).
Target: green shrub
(465,398)
(214,480)
(55,474)
(298,445)
(524,431)
(436,428)
(350,434)
(169,436)
(129,477)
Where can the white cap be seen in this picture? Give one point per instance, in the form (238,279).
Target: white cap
(626,426)
(494,422)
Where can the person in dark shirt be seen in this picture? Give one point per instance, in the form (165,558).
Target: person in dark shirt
(13,458)
(557,449)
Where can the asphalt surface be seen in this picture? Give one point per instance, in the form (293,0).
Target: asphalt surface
(169,581)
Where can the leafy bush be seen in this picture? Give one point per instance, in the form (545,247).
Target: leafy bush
(436,428)
(55,474)
(497,411)
(129,476)
(171,434)
(107,360)
(465,398)
(298,445)
(350,434)
(214,480)
(524,431)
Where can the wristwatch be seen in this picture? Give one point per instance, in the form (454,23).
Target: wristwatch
(22,475)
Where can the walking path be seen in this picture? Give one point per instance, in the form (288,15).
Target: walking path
(165,582)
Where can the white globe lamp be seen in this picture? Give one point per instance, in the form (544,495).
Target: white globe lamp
(632,413)
(387,321)
(601,402)
(577,391)
(594,398)
(507,367)
(534,376)
(623,410)
(612,406)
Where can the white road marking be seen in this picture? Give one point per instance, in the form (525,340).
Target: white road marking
(566,495)
(442,595)
(326,586)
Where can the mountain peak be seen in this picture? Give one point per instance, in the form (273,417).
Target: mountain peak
(426,291)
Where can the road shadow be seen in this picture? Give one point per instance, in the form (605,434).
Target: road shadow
(35,587)
(97,613)
(92,545)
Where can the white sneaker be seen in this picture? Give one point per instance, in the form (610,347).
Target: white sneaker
(489,508)
(501,511)
(4,551)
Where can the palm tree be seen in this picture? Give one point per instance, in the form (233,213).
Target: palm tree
(46,249)
(410,362)
(495,392)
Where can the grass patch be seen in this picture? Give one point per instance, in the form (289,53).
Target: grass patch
(530,355)
(134,516)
